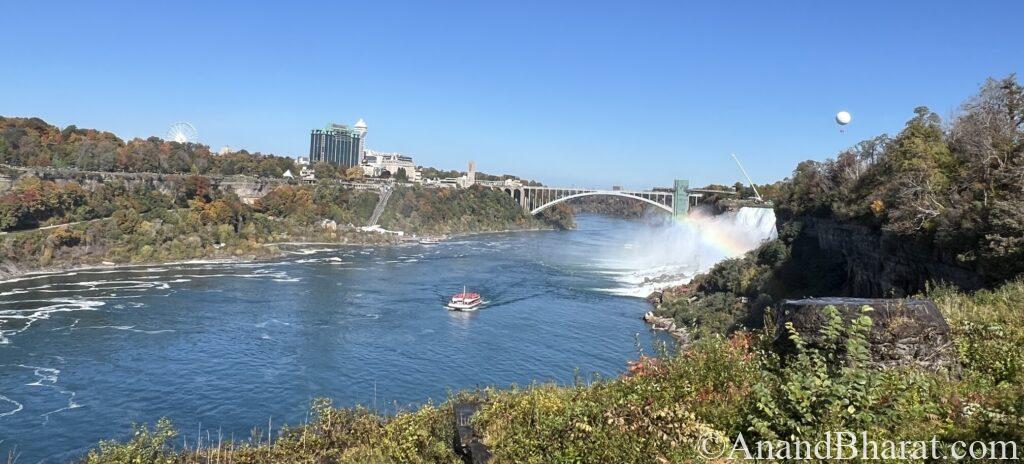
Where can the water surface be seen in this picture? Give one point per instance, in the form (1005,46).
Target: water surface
(225,347)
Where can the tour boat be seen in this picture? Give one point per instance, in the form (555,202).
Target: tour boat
(465,301)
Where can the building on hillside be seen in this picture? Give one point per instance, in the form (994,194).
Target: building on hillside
(469,179)
(376,163)
(302,161)
(307,173)
(337,144)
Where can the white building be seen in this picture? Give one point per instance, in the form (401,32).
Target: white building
(376,163)
(302,161)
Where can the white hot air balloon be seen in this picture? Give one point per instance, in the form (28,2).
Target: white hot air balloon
(843,118)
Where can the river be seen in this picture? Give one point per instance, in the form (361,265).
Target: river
(225,347)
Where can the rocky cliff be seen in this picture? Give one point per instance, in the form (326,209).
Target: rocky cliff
(878,264)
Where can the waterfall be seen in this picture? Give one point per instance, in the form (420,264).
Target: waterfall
(664,256)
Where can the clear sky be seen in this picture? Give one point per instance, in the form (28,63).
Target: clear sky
(583,93)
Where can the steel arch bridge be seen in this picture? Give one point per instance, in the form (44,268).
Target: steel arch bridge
(675,201)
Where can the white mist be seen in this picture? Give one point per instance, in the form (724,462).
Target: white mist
(671,254)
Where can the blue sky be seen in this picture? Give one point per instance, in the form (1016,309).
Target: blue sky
(571,93)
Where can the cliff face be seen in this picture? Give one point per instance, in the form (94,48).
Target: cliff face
(879,264)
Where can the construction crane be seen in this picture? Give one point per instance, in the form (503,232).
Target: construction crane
(750,182)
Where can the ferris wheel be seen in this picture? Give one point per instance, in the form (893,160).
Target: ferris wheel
(182,132)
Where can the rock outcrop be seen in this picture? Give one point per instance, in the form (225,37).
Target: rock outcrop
(468,443)
(903,332)
(880,264)
(668,325)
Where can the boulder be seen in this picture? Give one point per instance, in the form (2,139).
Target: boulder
(668,325)
(904,331)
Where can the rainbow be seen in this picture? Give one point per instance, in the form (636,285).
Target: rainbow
(727,243)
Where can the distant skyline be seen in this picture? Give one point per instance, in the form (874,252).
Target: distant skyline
(568,93)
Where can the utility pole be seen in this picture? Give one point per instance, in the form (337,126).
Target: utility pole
(750,182)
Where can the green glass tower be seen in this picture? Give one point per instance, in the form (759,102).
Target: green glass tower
(681,199)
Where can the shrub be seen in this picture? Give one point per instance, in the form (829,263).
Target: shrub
(818,390)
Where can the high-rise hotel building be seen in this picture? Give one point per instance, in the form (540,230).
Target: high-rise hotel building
(337,144)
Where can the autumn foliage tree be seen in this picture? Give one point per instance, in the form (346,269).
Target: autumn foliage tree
(956,187)
(34,143)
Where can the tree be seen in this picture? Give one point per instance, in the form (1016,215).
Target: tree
(919,166)
(286,201)
(354,173)
(194,187)
(401,176)
(327,171)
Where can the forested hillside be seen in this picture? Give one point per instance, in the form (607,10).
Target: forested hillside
(956,185)
(445,211)
(950,190)
(178,213)
(33,142)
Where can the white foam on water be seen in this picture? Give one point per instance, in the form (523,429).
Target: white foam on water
(17,406)
(104,269)
(86,295)
(127,328)
(661,257)
(48,377)
(264,324)
(29,316)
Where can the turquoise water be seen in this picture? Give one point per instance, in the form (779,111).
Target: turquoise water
(225,347)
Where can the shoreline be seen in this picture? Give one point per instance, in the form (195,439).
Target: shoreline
(654,323)
(43,272)
(32,273)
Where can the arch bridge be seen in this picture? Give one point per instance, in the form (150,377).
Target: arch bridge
(675,201)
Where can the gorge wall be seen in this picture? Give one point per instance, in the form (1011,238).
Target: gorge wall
(247,188)
(876,264)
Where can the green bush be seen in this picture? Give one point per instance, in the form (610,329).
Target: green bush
(145,446)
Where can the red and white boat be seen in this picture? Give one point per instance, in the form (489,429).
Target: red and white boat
(465,301)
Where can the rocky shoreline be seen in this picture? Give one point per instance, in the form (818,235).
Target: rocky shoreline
(667,325)
(12,271)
